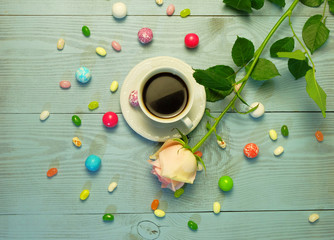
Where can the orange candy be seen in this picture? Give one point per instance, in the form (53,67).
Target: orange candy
(51,172)
(319,136)
(198,153)
(155,204)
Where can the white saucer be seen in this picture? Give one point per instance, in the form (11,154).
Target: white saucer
(143,125)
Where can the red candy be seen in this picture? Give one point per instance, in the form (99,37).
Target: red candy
(251,150)
(319,136)
(191,40)
(145,35)
(51,172)
(198,153)
(155,204)
(110,119)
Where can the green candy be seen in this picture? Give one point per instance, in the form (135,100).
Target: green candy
(85,31)
(192,225)
(225,183)
(76,120)
(178,192)
(285,131)
(93,105)
(185,12)
(108,217)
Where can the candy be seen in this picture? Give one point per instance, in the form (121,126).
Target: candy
(119,10)
(319,136)
(170,9)
(133,98)
(192,225)
(273,134)
(51,172)
(278,151)
(44,115)
(285,130)
(199,167)
(116,46)
(101,51)
(76,120)
(83,75)
(85,31)
(110,119)
(114,86)
(216,207)
(93,163)
(221,144)
(112,186)
(155,204)
(251,150)
(60,44)
(159,2)
(93,105)
(76,141)
(257,112)
(198,153)
(225,183)
(313,217)
(159,213)
(185,12)
(178,192)
(65,84)
(191,40)
(145,35)
(84,194)
(108,217)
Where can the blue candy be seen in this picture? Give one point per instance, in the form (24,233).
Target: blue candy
(93,163)
(83,75)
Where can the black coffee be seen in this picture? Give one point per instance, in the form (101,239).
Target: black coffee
(165,95)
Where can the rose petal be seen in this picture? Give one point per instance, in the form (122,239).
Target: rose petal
(168,143)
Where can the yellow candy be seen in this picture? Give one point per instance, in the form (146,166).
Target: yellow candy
(216,207)
(273,134)
(60,44)
(159,213)
(101,51)
(114,86)
(84,194)
(76,141)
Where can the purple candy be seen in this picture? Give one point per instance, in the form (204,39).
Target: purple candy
(145,35)
(133,98)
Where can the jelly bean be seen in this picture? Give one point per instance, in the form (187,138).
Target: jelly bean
(170,10)
(60,44)
(278,151)
(114,86)
(198,153)
(93,163)
(155,204)
(216,207)
(313,217)
(159,2)
(259,111)
(101,51)
(85,31)
(225,183)
(84,194)
(178,192)
(112,186)
(185,12)
(110,119)
(159,213)
(116,46)
(319,136)
(44,115)
(119,10)
(273,134)
(251,150)
(285,130)
(133,98)
(191,40)
(93,105)
(221,144)
(145,35)
(51,172)
(83,75)
(76,141)
(192,225)
(65,84)
(108,217)
(76,120)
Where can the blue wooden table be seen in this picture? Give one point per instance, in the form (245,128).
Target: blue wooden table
(272,197)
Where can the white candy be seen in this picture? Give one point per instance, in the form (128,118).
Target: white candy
(199,167)
(273,134)
(278,151)
(44,115)
(216,207)
(119,10)
(313,217)
(259,111)
(222,144)
(112,186)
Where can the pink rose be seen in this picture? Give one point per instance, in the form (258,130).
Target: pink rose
(174,165)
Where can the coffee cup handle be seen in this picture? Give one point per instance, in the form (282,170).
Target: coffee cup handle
(187,122)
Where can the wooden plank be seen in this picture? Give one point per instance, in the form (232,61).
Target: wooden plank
(300,179)
(229,225)
(32,66)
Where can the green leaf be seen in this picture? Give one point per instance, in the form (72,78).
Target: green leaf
(213,95)
(242,5)
(199,159)
(208,113)
(286,44)
(312,3)
(179,140)
(315,33)
(184,137)
(242,51)
(298,68)
(315,91)
(263,70)
(219,77)
(249,111)
(241,99)
(298,54)
(257,4)
(208,125)
(331,6)
(280,3)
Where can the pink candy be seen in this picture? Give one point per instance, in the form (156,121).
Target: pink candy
(65,84)
(133,98)
(170,10)
(145,35)
(116,46)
